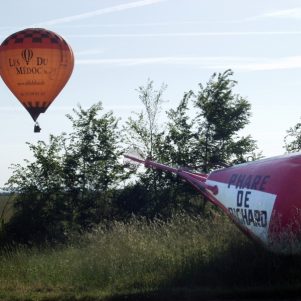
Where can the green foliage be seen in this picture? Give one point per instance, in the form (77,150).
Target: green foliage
(146,134)
(292,140)
(222,114)
(93,150)
(210,138)
(68,185)
(180,136)
(202,132)
(75,180)
(143,131)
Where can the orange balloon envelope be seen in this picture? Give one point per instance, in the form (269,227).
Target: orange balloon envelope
(35,64)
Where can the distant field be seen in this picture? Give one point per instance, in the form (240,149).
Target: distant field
(6,207)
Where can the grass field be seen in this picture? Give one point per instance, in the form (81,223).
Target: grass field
(184,258)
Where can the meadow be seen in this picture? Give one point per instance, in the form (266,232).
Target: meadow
(184,258)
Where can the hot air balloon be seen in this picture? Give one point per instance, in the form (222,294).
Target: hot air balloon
(263,197)
(35,64)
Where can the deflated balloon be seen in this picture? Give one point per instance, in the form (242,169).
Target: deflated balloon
(35,64)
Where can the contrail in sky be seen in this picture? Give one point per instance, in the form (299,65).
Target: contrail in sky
(237,63)
(184,34)
(101,11)
(293,13)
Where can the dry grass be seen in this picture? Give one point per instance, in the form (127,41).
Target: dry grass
(141,257)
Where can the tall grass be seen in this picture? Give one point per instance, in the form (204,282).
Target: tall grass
(144,256)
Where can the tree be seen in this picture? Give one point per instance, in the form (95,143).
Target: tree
(292,140)
(207,137)
(222,114)
(143,132)
(68,185)
(204,136)
(39,196)
(146,134)
(91,162)
(74,179)
(180,136)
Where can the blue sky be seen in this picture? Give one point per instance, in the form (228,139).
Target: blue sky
(119,44)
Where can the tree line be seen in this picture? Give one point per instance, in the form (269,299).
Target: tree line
(77,180)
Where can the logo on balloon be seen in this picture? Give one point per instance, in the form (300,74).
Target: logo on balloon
(27,55)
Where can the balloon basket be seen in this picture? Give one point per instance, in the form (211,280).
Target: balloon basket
(36,128)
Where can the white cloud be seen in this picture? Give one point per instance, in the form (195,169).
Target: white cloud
(103,11)
(236,63)
(294,13)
